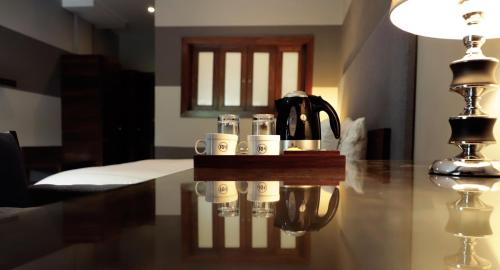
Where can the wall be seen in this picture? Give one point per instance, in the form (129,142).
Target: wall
(105,42)
(379,74)
(46,21)
(243,12)
(435,104)
(34,35)
(168,64)
(137,50)
(361,19)
(173,131)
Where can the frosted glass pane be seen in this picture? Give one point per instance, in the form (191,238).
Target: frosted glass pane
(205,78)
(232,83)
(290,72)
(259,232)
(287,241)
(260,86)
(232,232)
(205,236)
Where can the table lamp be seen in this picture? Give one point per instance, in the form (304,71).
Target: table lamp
(473,21)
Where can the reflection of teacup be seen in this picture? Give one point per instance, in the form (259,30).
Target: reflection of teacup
(263,191)
(263,194)
(222,193)
(217,191)
(217,144)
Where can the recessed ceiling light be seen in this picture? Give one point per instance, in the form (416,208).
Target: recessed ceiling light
(151,9)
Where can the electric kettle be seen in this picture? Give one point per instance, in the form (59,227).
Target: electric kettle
(305,208)
(298,121)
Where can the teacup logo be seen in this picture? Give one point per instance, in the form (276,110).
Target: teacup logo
(261,148)
(261,187)
(222,189)
(222,146)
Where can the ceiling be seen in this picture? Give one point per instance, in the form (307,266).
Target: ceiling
(134,12)
(119,15)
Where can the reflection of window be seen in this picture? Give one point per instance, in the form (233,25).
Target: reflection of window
(242,75)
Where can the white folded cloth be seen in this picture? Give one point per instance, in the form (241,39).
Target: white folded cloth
(120,174)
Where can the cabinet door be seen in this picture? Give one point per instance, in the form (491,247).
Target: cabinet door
(242,75)
(261,82)
(291,70)
(204,74)
(233,71)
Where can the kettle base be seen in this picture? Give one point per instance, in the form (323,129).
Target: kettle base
(303,145)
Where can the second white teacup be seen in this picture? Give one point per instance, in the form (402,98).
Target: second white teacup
(217,144)
(263,144)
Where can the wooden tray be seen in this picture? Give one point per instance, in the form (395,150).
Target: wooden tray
(293,167)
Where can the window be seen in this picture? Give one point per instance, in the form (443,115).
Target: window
(242,75)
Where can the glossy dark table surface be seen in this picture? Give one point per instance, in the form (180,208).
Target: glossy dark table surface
(390,215)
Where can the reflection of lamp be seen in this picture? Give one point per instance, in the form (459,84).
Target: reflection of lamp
(469,219)
(473,75)
(469,216)
(480,184)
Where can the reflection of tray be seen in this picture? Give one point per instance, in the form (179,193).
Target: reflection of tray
(293,167)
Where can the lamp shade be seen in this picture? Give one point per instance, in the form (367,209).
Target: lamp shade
(444,18)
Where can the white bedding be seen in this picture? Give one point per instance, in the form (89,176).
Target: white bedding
(121,174)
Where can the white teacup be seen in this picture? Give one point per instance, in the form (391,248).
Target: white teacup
(263,144)
(217,144)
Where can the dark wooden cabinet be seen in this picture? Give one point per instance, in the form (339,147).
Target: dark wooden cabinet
(242,75)
(107,113)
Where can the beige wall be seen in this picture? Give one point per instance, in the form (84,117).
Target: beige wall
(435,104)
(174,131)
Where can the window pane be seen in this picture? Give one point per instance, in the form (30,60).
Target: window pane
(290,73)
(232,84)
(205,78)
(232,232)
(259,232)
(260,85)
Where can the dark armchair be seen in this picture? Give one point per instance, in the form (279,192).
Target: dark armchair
(13,181)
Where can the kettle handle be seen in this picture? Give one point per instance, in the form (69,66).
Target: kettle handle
(333,205)
(320,104)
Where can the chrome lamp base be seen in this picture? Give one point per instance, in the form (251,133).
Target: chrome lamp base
(472,130)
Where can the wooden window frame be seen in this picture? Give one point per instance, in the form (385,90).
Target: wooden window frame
(247,45)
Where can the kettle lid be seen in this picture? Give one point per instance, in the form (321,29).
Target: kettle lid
(296,94)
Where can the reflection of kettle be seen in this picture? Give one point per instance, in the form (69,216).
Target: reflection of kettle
(298,121)
(300,210)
